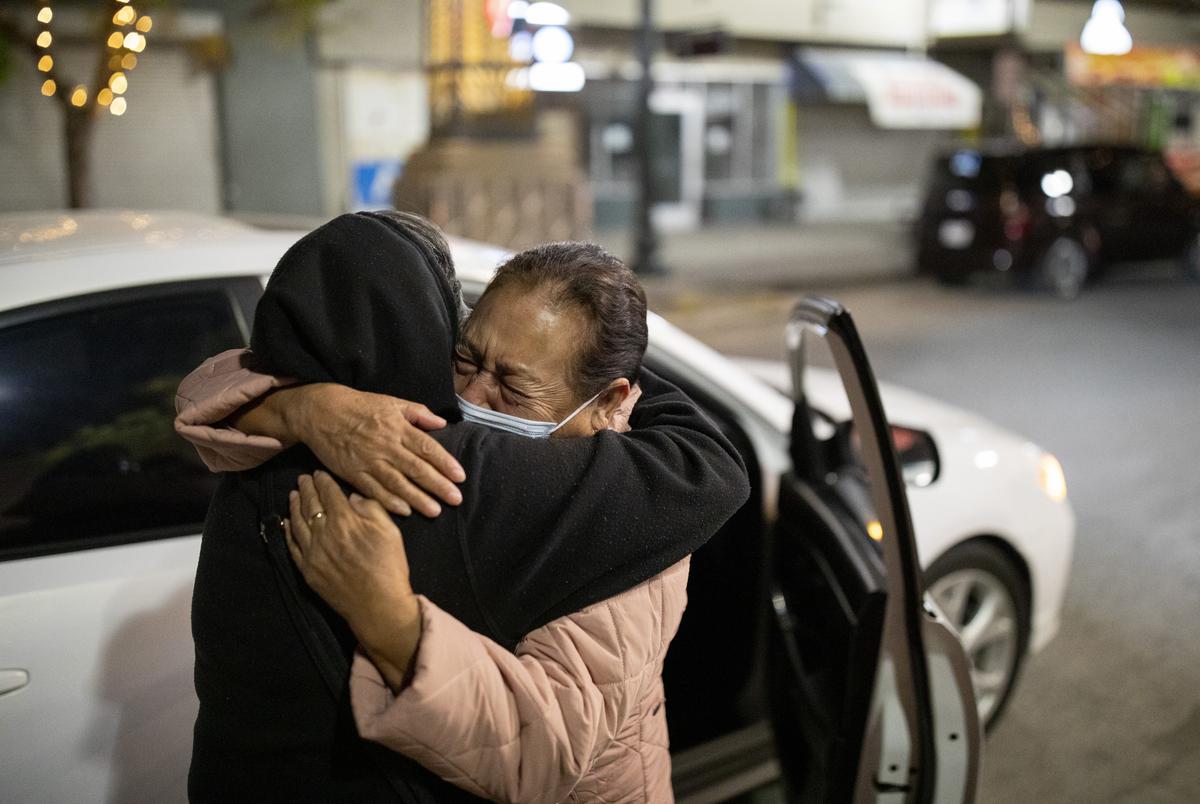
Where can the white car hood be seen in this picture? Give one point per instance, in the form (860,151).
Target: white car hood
(902,406)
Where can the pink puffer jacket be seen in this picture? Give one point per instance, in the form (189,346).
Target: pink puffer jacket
(576,714)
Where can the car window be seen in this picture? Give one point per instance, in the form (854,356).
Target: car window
(1128,172)
(1134,174)
(88,453)
(968,170)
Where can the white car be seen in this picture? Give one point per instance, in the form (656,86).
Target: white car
(102,313)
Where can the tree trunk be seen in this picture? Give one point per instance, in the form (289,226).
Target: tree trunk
(78,129)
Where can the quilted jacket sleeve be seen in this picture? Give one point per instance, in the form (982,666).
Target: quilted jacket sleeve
(523,727)
(212,393)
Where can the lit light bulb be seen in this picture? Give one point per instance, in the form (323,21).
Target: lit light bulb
(567,77)
(544,13)
(104,96)
(44,39)
(46,63)
(45,15)
(118,83)
(115,40)
(128,61)
(144,24)
(124,15)
(553,45)
(79,96)
(118,107)
(1105,34)
(49,87)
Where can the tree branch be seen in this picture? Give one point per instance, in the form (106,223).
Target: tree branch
(11,31)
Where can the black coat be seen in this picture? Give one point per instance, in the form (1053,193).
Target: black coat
(546,527)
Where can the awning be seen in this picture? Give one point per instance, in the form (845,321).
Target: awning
(901,90)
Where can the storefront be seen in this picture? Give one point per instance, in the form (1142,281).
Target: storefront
(821,135)
(868,124)
(717,132)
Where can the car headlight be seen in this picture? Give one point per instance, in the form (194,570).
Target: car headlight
(1051,477)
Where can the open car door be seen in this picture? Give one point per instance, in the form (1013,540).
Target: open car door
(871,691)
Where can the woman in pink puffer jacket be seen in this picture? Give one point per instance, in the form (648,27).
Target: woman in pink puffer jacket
(577,713)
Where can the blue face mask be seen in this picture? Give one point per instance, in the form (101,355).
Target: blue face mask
(514,424)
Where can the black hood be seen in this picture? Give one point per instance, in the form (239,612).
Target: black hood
(356,302)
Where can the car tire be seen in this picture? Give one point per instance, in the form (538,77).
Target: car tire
(1064,267)
(985,596)
(950,280)
(1191,258)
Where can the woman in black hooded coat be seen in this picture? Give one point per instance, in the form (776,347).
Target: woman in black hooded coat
(547,526)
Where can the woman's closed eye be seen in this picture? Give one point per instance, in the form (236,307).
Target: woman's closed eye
(464,365)
(511,395)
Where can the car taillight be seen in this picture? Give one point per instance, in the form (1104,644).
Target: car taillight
(1016,224)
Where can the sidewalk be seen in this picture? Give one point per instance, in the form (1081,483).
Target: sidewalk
(751,259)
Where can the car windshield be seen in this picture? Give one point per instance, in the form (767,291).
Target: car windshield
(970,170)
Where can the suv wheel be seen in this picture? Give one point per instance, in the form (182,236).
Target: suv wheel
(985,598)
(1065,267)
(1191,258)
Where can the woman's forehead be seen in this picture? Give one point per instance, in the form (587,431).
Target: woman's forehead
(519,328)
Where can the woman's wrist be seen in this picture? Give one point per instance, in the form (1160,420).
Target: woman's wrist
(390,635)
(302,410)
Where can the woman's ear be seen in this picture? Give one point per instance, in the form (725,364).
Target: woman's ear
(608,404)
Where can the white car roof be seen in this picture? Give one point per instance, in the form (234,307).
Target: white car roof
(51,255)
(46,256)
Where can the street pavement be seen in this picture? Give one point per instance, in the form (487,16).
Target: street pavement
(780,256)
(1110,711)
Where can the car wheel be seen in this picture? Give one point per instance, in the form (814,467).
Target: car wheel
(1065,267)
(952,280)
(1191,258)
(986,599)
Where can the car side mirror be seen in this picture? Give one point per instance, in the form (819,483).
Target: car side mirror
(916,450)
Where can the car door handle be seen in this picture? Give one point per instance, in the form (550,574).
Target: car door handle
(12,680)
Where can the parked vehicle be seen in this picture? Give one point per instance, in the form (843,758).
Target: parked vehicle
(827,671)
(1054,217)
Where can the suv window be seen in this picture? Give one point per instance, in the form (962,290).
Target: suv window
(1129,172)
(88,452)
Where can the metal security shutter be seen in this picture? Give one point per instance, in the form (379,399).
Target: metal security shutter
(162,153)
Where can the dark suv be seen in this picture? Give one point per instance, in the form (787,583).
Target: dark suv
(1054,216)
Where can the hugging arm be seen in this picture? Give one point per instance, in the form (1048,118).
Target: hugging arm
(238,417)
(539,718)
(591,517)
(585,518)
(212,393)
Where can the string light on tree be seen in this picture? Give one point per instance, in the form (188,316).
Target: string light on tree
(126,39)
